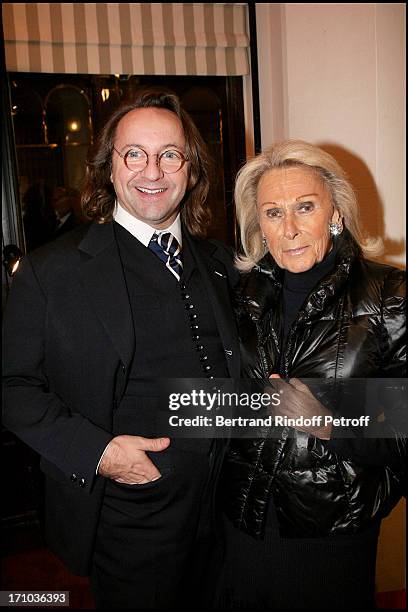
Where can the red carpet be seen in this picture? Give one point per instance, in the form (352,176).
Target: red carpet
(40,570)
(392,600)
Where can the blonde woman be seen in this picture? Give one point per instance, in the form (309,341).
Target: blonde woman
(302,510)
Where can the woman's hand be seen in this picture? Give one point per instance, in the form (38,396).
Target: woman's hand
(298,401)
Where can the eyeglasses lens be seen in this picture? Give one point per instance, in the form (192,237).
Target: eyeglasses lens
(169,161)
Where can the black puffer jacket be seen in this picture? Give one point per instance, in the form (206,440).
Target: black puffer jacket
(351,325)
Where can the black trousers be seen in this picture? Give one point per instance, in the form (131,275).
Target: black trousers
(147,553)
(336,573)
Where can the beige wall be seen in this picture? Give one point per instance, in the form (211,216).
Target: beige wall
(334,74)
(391,561)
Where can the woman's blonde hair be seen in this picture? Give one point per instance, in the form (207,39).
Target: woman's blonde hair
(293,153)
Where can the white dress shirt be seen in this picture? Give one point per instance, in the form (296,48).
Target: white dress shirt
(141,230)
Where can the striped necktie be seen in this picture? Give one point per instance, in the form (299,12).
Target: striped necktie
(167,248)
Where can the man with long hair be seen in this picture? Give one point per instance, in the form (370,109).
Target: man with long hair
(92,320)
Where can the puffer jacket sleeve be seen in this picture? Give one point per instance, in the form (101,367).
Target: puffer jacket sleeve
(389,446)
(394,340)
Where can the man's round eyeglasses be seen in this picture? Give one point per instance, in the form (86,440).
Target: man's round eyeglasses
(169,161)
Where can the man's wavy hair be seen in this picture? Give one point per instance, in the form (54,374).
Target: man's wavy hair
(98,194)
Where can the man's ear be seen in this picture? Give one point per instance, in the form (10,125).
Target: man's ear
(192,181)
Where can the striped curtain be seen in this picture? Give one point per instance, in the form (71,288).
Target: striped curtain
(134,38)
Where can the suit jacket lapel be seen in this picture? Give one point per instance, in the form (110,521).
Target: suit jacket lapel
(216,282)
(103,281)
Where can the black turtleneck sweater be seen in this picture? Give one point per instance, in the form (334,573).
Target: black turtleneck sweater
(298,285)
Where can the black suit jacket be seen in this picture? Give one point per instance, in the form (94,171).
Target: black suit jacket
(69,342)
(68,225)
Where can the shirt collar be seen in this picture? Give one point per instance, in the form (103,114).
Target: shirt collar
(61,220)
(141,230)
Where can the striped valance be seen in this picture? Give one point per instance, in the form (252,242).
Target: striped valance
(127,38)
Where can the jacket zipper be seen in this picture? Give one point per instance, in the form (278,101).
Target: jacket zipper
(264,360)
(288,349)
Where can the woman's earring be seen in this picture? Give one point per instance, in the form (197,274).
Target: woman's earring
(336,228)
(264,242)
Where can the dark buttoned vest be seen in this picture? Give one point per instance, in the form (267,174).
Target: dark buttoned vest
(175,336)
